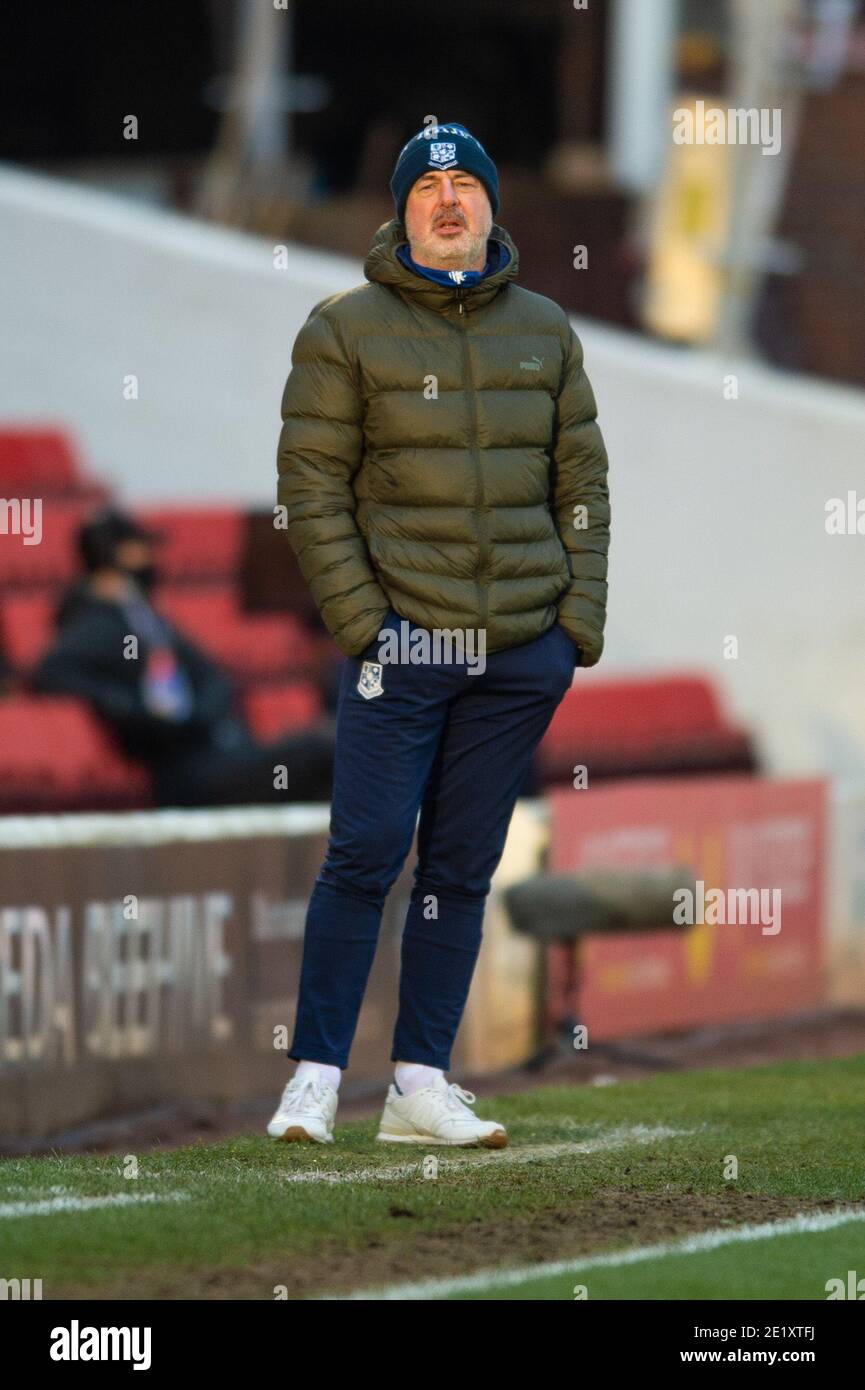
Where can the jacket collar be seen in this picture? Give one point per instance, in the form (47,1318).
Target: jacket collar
(383,267)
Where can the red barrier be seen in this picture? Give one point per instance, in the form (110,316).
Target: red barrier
(733,833)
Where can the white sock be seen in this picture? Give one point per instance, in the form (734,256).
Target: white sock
(332,1075)
(413,1076)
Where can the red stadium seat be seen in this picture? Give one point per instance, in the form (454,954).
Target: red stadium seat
(54,559)
(27,626)
(55,755)
(250,646)
(279,708)
(42,461)
(199,542)
(660,725)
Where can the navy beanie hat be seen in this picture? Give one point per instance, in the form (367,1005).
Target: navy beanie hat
(448,146)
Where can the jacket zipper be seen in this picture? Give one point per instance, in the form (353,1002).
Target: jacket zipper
(483,544)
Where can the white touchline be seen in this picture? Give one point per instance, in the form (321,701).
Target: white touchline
(526,1153)
(804,1223)
(51,1205)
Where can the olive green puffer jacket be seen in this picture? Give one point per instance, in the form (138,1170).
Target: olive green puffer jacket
(440,456)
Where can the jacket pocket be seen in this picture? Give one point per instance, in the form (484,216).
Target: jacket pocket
(564,567)
(377,545)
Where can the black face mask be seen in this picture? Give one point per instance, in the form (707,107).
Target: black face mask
(145,577)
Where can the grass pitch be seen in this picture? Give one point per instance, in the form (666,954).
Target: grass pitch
(709,1185)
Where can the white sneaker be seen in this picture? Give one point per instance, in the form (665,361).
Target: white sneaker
(438,1114)
(306,1111)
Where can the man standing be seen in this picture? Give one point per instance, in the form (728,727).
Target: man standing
(441,471)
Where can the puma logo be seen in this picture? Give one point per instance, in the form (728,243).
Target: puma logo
(533,366)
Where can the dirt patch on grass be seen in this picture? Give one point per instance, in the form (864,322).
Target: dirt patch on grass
(610,1218)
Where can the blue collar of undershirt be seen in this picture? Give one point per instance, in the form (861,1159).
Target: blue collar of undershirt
(497,257)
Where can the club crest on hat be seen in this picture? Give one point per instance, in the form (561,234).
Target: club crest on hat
(369,685)
(443,153)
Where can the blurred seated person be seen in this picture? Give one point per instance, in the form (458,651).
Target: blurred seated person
(10,681)
(166,702)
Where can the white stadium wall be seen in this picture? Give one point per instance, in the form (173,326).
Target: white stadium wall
(718,504)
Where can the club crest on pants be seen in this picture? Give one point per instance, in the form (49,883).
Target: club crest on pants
(369,684)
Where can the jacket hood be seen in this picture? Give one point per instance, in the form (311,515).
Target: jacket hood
(383,267)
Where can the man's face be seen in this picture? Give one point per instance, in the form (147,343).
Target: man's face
(448,219)
(133,554)
(135,558)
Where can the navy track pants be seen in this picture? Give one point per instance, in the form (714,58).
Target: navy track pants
(457,747)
